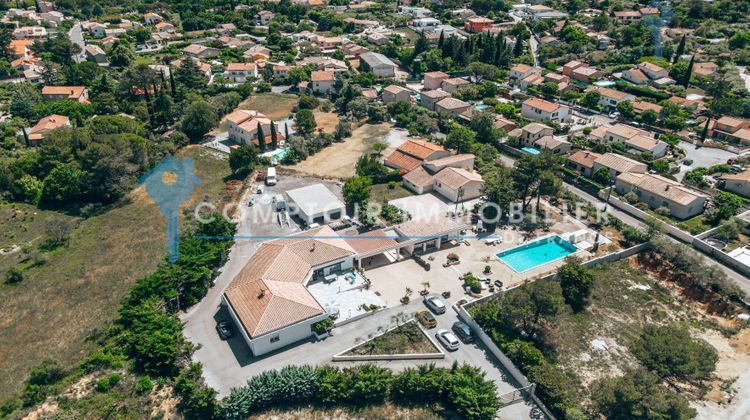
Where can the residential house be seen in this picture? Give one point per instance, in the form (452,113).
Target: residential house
(243,127)
(241,72)
(415,12)
(583,162)
(96,54)
(327,43)
(19,48)
(531,132)
(30,32)
(427,24)
(522,71)
(635,76)
(626,17)
(434,80)
(581,71)
(280,72)
(40,131)
(394,93)
(59,93)
(201,51)
(635,139)
(379,38)
(541,110)
(431,97)
(353,50)
(706,69)
(204,67)
(657,192)
(533,80)
(412,153)
(263,17)
(640,106)
(477,24)
(737,183)
(164,27)
(152,18)
(322,82)
(618,164)
(450,85)
(730,129)
(610,98)
(378,64)
(451,107)
(652,70)
(452,177)
(97,30)
(52,18)
(558,145)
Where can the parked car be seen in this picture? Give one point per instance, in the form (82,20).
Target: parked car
(463,331)
(434,303)
(224,328)
(447,339)
(426,318)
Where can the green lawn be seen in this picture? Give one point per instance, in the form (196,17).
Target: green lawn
(381,193)
(404,339)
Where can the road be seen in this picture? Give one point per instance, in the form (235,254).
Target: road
(76,36)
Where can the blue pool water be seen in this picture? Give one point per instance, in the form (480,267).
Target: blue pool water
(534,254)
(481,107)
(530,150)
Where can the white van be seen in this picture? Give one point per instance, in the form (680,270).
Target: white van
(271,176)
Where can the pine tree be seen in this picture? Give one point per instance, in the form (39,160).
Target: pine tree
(680,50)
(274,139)
(689,72)
(518,48)
(261,138)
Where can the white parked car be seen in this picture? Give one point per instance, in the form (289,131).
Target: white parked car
(447,339)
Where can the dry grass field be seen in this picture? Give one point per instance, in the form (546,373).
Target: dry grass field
(72,292)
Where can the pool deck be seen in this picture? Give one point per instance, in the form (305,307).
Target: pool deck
(347,294)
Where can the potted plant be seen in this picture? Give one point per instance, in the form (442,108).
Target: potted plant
(407,296)
(487,269)
(446,294)
(322,329)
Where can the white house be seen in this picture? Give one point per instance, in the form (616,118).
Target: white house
(541,110)
(240,72)
(657,192)
(243,127)
(322,82)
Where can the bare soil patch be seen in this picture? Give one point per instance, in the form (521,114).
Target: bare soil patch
(339,159)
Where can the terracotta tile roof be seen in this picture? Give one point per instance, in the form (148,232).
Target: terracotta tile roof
(642,142)
(452,160)
(401,160)
(435,94)
(241,115)
(452,103)
(47,124)
(73,92)
(612,93)
(621,163)
(627,131)
(662,187)
(534,128)
(241,66)
(640,106)
(395,89)
(420,148)
(541,104)
(19,46)
(584,158)
(419,177)
(456,178)
(521,68)
(321,76)
(269,293)
(437,74)
(743,176)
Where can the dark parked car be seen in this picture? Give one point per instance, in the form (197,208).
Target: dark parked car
(463,331)
(224,328)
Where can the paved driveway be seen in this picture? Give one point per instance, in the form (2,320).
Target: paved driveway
(702,157)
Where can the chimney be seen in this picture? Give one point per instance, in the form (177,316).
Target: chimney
(667,189)
(261,294)
(312,249)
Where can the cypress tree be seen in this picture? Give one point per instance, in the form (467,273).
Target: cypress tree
(441,40)
(286,131)
(172,85)
(680,50)
(689,72)
(274,140)
(518,48)
(704,134)
(261,138)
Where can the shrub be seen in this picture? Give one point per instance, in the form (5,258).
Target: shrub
(13,276)
(391,185)
(671,351)
(323,326)
(144,385)
(108,382)
(472,283)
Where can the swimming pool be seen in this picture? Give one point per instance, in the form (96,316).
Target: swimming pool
(525,257)
(276,155)
(530,150)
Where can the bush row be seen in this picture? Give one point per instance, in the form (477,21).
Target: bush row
(460,388)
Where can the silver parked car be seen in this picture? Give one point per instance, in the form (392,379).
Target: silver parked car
(434,303)
(447,339)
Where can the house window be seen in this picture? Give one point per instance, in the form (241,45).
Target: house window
(275,338)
